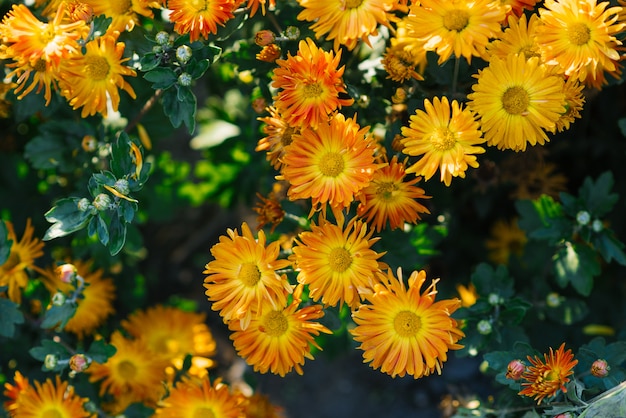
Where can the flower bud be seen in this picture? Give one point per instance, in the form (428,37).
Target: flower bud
(50,362)
(122,186)
(58,299)
(66,272)
(583,217)
(162,38)
(184,79)
(264,37)
(78,11)
(515,369)
(600,368)
(597,225)
(292,33)
(79,363)
(259,104)
(565,415)
(484,327)
(553,300)
(183,54)
(494,299)
(89,143)
(84,204)
(102,202)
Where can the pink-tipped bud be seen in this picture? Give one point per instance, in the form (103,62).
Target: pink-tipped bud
(600,368)
(79,363)
(66,272)
(515,369)
(264,37)
(259,104)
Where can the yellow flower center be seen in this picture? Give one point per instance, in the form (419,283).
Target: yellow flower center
(529,51)
(407,324)
(286,139)
(97,68)
(353,4)
(331,165)
(249,274)
(515,100)
(552,375)
(312,91)
(275,324)
(127,370)
(203,412)
(198,5)
(578,33)
(386,190)
(51,413)
(456,20)
(339,259)
(121,7)
(443,139)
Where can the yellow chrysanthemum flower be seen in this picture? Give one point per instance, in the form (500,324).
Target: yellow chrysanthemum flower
(330,164)
(52,398)
(545,378)
(260,406)
(195,399)
(199,18)
(446,136)
(309,85)
(401,62)
(346,21)
(125,13)
(14,272)
(519,37)
(243,275)
(279,339)
(517,100)
(174,333)
(458,27)
(580,37)
(278,135)
(391,197)
(506,239)
(92,80)
(403,331)
(336,262)
(574,100)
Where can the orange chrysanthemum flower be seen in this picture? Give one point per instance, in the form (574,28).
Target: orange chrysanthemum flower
(14,271)
(391,197)
(545,378)
(335,262)
(243,275)
(253,6)
(278,135)
(517,7)
(279,338)
(13,391)
(401,62)
(259,406)
(346,21)
(446,136)
(403,331)
(309,84)
(269,210)
(92,80)
(506,239)
(520,37)
(330,164)
(199,18)
(125,13)
(193,399)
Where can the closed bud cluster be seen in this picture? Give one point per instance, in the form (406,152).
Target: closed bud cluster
(84,204)
(583,217)
(89,143)
(58,299)
(50,362)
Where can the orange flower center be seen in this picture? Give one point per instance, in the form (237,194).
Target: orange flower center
(97,68)
(515,100)
(353,4)
(40,66)
(198,5)
(386,190)
(529,51)
(286,138)
(331,165)
(578,33)
(456,20)
(121,7)
(443,139)
(339,259)
(249,274)
(203,412)
(407,324)
(312,91)
(51,413)
(127,370)
(275,324)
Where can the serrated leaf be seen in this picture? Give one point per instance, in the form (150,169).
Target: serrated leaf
(180,111)
(576,264)
(58,315)
(487,280)
(104,178)
(161,78)
(45,152)
(596,196)
(149,62)
(10,316)
(121,160)
(99,351)
(48,347)
(66,218)
(5,243)
(609,247)
(117,234)
(196,69)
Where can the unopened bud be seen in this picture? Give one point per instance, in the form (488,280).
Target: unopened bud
(66,272)
(583,217)
(292,33)
(494,299)
(50,362)
(515,369)
(264,37)
(78,11)
(122,186)
(484,327)
(79,363)
(162,38)
(553,300)
(84,204)
(597,225)
(102,202)
(89,143)
(600,368)
(185,79)
(259,104)
(58,299)
(183,54)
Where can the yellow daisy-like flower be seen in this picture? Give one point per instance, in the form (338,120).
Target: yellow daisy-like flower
(309,85)
(403,331)
(243,275)
(125,13)
(580,37)
(14,271)
(574,100)
(195,399)
(517,100)
(91,80)
(259,406)
(506,239)
(50,399)
(346,21)
(174,333)
(446,136)
(545,378)
(401,63)
(199,18)
(279,134)
(279,339)
(336,262)
(519,37)
(330,164)
(391,197)
(133,374)
(458,27)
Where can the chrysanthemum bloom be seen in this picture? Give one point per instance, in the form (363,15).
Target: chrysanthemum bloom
(259,406)
(96,302)
(467,294)
(91,80)
(403,331)
(269,210)
(52,398)
(517,7)
(309,85)
(545,378)
(519,37)
(506,240)
(346,21)
(533,177)
(14,271)
(401,63)
(243,275)
(579,36)
(458,27)
(253,6)
(446,136)
(174,333)
(391,197)
(279,339)
(574,100)
(517,100)
(330,164)
(199,18)
(125,13)
(194,399)
(13,391)
(133,374)
(336,262)
(278,135)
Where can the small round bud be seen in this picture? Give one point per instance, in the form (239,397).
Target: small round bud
(162,38)
(583,217)
(50,362)
(494,299)
(66,272)
(399,96)
(484,327)
(363,101)
(89,143)
(600,368)
(58,299)
(185,79)
(122,186)
(565,415)
(264,37)
(183,54)
(259,104)
(597,225)
(515,369)
(292,33)
(79,363)
(102,202)
(84,204)
(553,300)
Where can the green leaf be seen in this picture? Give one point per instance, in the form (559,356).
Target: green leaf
(180,106)
(596,196)
(66,218)
(569,311)
(5,243)
(610,247)
(48,347)
(542,218)
(100,25)
(576,264)
(161,78)
(196,69)
(102,230)
(149,62)
(611,404)
(121,160)
(10,316)
(488,281)
(622,125)
(58,315)
(99,351)
(45,152)
(105,178)
(117,234)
